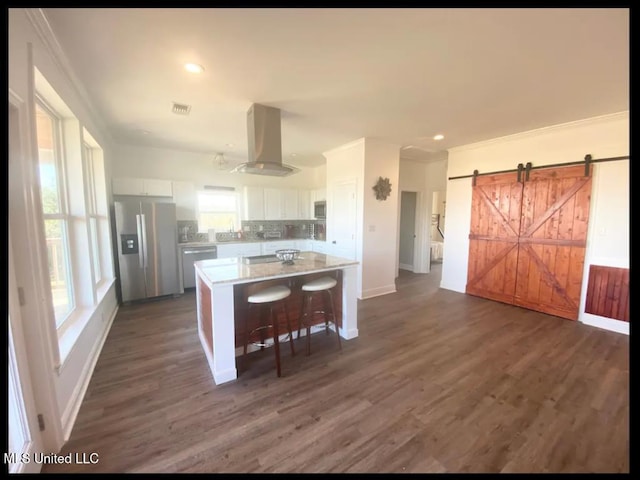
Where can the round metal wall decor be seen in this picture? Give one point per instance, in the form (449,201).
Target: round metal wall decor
(382,188)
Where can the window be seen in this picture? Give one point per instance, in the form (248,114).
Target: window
(75,215)
(92,212)
(54,208)
(217,209)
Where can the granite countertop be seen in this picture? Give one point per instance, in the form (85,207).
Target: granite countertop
(234,270)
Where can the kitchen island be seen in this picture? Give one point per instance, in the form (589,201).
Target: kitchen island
(222,286)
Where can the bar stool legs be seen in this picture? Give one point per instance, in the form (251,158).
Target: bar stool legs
(269,298)
(322,285)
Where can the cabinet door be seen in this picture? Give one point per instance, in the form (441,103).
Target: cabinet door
(319,246)
(272,204)
(303,245)
(290,204)
(250,249)
(254,203)
(127,186)
(304,205)
(157,188)
(271,247)
(184,196)
(230,250)
(320,194)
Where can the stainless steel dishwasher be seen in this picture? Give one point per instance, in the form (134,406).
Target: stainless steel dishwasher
(195,254)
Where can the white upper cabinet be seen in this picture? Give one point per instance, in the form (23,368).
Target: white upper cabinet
(273,204)
(254,203)
(290,209)
(142,186)
(304,205)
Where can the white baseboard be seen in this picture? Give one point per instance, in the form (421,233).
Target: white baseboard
(605,323)
(73,407)
(406,266)
(376,292)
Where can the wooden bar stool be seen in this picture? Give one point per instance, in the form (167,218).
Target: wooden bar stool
(324,285)
(270,297)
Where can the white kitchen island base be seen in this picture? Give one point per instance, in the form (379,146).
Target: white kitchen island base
(215,283)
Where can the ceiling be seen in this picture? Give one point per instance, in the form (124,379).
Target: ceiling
(399,75)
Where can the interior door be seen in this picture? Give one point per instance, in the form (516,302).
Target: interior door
(341,236)
(493,238)
(407,230)
(553,239)
(527,240)
(24,435)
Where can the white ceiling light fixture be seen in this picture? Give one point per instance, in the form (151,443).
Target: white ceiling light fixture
(193,68)
(438,137)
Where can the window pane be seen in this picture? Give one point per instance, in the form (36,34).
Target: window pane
(222,222)
(93,226)
(45,129)
(216,202)
(59,268)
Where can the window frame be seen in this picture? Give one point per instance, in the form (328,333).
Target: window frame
(228,191)
(63,214)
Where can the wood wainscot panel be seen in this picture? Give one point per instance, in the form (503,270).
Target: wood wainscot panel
(294,303)
(608,292)
(205,318)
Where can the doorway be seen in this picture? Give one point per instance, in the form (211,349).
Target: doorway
(408,205)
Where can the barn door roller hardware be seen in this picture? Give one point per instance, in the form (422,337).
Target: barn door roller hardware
(588,160)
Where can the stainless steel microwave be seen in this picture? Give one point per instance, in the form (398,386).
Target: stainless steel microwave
(320,209)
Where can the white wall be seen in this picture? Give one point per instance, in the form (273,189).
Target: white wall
(191,171)
(58,390)
(602,137)
(365,160)
(381,220)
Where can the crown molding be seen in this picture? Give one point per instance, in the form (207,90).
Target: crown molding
(43,29)
(624,115)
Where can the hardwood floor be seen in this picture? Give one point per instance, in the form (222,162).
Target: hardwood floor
(437,381)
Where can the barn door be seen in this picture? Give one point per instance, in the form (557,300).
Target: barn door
(553,238)
(493,239)
(527,240)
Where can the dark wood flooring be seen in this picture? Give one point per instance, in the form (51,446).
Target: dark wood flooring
(437,381)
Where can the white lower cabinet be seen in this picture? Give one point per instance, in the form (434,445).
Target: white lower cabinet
(269,248)
(231,250)
(319,246)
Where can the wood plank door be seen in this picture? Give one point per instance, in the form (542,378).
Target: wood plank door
(493,238)
(553,238)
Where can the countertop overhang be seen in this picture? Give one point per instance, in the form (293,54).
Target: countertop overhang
(235,271)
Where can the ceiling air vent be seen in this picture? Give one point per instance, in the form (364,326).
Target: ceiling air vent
(181,108)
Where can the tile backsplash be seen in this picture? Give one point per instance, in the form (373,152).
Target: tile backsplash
(253,230)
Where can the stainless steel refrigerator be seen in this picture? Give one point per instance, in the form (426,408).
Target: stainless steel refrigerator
(147,237)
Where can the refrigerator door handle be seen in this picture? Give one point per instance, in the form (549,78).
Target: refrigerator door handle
(143,223)
(140,240)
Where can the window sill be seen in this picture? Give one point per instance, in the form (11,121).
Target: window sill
(75,324)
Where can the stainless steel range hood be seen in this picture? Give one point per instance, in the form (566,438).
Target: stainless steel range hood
(265,143)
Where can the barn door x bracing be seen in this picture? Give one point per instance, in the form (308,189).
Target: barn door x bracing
(527,239)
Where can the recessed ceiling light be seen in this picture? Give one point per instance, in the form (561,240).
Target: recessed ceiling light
(438,137)
(294,154)
(193,68)
(230,145)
